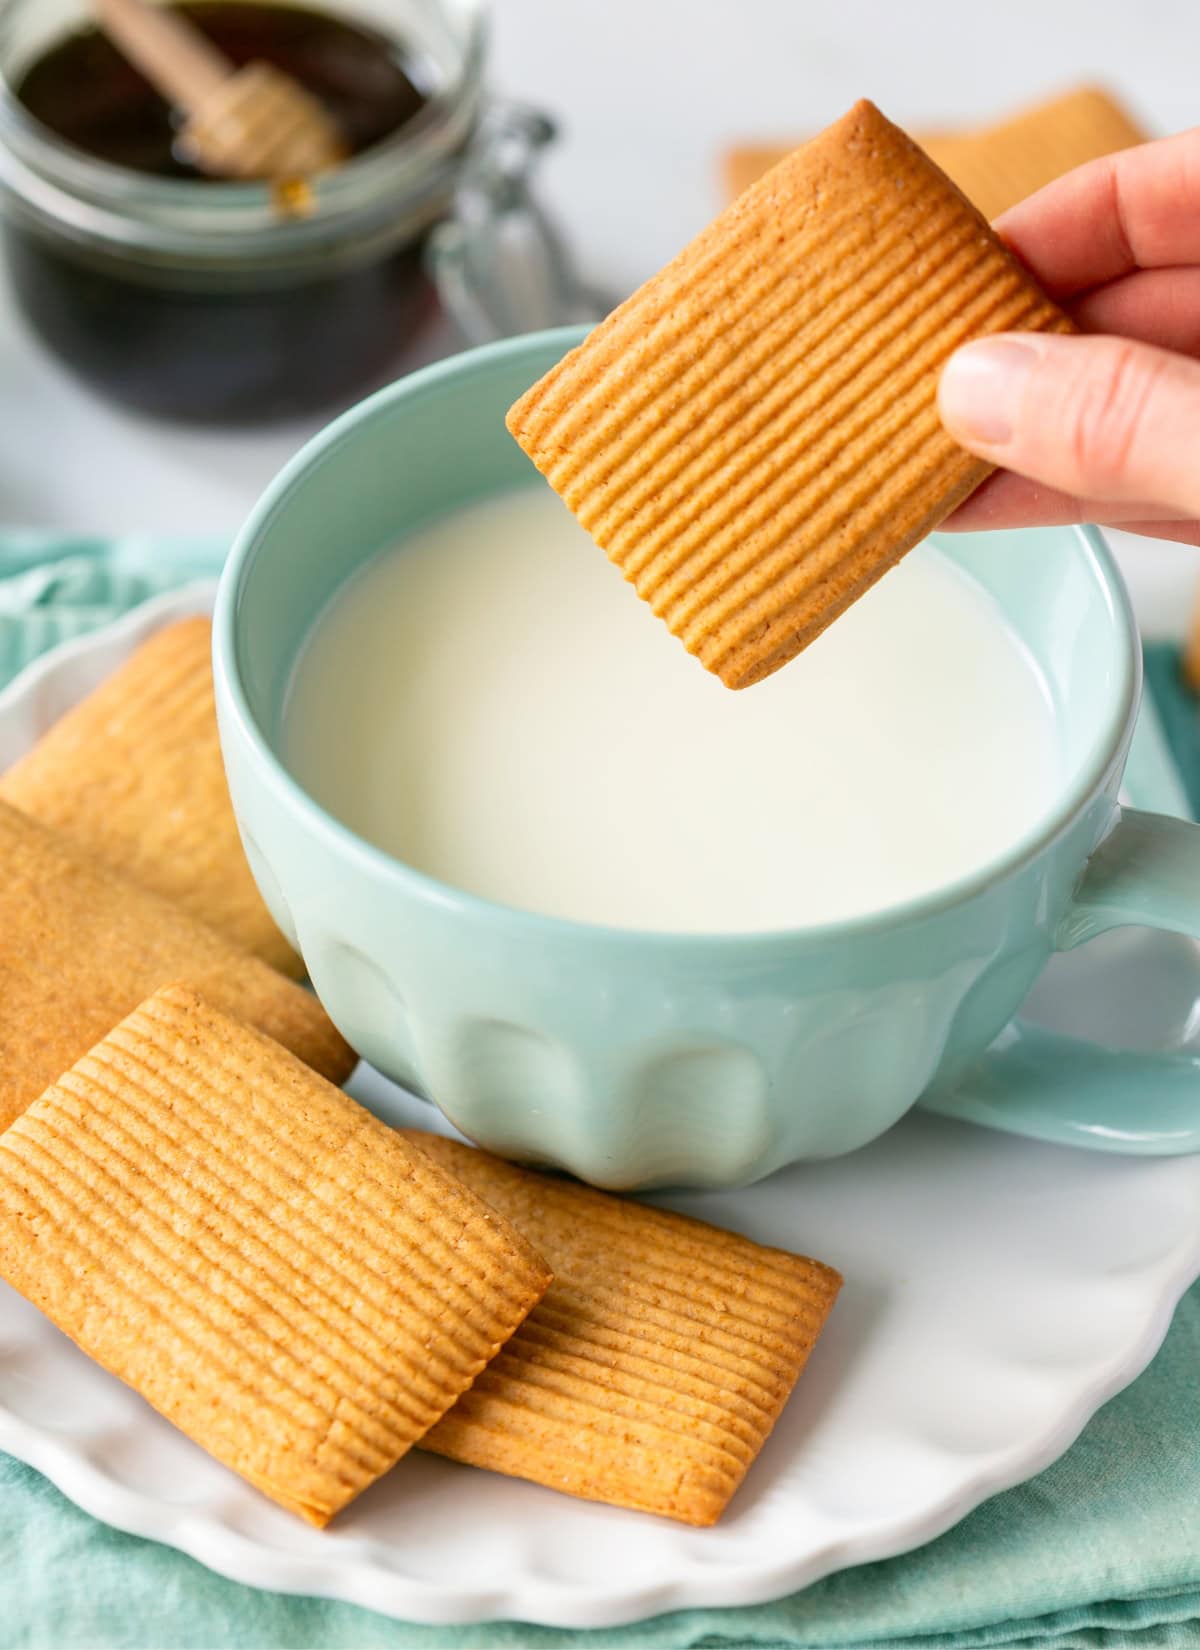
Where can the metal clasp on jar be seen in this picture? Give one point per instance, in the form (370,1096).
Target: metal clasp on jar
(500,265)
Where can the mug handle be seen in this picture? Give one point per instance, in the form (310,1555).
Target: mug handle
(1040,1083)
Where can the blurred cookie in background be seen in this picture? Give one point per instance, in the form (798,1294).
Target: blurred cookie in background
(995,166)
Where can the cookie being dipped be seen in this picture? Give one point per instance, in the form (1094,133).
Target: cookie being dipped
(753,436)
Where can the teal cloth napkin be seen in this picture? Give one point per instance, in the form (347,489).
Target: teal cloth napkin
(1102,1549)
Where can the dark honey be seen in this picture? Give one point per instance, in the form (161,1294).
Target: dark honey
(84,90)
(209,336)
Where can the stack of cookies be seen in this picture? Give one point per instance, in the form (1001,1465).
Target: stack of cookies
(303,1291)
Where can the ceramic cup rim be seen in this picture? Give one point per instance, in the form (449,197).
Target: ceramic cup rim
(376,862)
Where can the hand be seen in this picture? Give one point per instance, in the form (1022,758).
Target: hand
(1107,428)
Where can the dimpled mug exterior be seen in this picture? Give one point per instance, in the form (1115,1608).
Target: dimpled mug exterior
(637,1059)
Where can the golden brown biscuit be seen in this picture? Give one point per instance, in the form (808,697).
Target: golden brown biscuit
(81,947)
(1002,164)
(995,166)
(134,775)
(658,1361)
(745,163)
(753,437)
(283,1277)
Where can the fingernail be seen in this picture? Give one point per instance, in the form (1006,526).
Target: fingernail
(981,389)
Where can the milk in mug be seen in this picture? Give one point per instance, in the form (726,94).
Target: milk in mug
(491,703)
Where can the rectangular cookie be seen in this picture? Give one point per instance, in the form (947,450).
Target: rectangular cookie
(998,165)
(753,437)
(284,1278)
(80,948)
(744,163)
(657,1362)
(134,775)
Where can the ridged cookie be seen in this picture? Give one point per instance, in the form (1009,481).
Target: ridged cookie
(753,437)
(134,775)
(657,1362)
(293,1285)
(81,947)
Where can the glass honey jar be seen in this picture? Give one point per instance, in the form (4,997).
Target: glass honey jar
(189,297)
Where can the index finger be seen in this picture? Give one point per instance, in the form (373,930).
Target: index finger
(1137,209)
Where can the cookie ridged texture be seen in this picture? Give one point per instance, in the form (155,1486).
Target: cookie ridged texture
(1003,164)
(134,775)
(80,948)
(287,1280)
(656,1364)
(753,437)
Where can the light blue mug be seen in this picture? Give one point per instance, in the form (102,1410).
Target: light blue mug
(636,1059)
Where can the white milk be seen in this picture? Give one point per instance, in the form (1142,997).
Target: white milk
(493,704)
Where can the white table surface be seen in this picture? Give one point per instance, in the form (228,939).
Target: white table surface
(647,92)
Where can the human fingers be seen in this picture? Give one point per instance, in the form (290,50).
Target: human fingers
(1179,532)
(1094,417)
(1137,209)
(1159,306)
(1006,500)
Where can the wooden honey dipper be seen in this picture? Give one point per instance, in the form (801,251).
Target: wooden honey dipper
(252,122)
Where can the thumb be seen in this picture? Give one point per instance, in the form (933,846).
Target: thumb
(1098,418)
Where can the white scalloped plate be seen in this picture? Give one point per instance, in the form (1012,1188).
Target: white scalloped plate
(998,1291)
